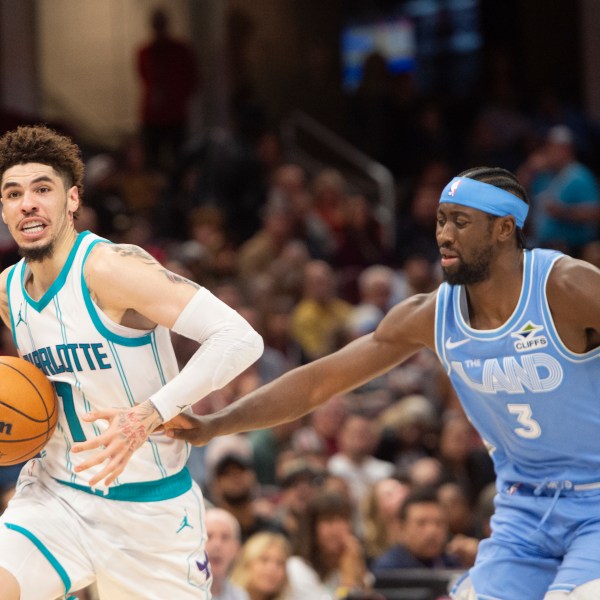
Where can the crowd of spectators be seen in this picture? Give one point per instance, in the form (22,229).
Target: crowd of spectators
(391,475)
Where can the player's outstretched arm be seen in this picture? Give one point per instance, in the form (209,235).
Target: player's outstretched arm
(134,289)
(406,329)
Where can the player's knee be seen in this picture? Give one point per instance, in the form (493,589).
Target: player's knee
(587,591)
(9,586)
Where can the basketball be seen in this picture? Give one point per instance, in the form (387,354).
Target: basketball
(28,410)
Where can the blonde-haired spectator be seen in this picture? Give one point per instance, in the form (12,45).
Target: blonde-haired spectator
(261,567)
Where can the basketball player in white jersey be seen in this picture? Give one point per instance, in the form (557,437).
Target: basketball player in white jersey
(517,331)
(110,500)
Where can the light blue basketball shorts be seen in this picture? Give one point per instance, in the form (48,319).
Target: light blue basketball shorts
(542,540)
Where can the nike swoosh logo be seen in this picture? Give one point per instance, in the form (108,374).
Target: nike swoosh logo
(450,344)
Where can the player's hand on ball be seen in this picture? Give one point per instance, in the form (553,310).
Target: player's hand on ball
(128,429)
(190,429)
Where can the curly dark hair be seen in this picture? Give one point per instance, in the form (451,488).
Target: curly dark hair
(40,144)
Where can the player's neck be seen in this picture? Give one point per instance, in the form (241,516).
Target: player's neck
(44,272)
(493,301)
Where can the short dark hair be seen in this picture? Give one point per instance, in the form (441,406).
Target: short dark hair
(40,144)
(422,495)
(505,180)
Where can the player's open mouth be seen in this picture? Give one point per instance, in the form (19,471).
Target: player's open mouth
(33,228)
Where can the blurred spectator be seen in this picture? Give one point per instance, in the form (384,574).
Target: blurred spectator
(361,243)
(233,487)
(565,194)
(319,320)
(291,180)
(484,510)
(139,185)
(267,444)
(415,231)
(287,269)
(358,438)
(375,285)
(417,276)
(425,472)
(459,511)
(406,431)
(299,481)
(102,193)
(256,255)
(328,555)
(380,514)
(222,547)
(320,436)
(463,457)
(169,76)
(422,537)
(329,193)
(277,330)
(261,567)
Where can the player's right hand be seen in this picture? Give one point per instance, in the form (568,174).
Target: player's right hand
(190,429)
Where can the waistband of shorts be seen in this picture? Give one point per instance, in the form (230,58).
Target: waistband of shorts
(551,488)
(143,491)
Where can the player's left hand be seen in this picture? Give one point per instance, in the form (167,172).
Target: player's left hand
(128,429)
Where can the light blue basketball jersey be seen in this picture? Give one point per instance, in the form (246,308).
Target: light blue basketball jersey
(535,403)
(95,364)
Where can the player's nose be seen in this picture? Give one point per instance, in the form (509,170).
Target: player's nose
(29,202)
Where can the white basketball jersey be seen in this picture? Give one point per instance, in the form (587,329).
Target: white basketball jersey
(95,364)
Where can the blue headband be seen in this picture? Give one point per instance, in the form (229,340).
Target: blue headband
(485,197)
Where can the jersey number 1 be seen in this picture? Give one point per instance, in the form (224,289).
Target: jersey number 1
(65,391)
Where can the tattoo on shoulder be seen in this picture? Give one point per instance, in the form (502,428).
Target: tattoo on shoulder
(137,252)
(173,277)
(134,251)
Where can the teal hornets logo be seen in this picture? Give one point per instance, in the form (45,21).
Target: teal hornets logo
(528,339)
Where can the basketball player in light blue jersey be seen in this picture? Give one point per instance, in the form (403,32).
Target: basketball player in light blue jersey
(110,500)
(517,331)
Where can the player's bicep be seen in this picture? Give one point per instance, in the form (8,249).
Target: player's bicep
(126,278)
(574,294)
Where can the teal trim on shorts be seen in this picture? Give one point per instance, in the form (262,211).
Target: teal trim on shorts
(47,554)
(145,491)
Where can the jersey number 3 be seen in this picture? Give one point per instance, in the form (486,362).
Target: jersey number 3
(530,427)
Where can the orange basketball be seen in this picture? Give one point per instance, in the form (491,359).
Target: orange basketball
(28,410)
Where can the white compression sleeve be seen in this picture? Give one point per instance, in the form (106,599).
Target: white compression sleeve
(228,345)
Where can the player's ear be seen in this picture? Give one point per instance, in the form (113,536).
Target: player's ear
(3,217)
(506,227)
(73,199)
